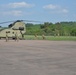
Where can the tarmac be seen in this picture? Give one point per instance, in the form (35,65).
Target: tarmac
(37,57)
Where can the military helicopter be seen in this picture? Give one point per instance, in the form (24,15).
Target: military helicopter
(18,27)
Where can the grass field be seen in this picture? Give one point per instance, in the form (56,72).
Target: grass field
(57,38)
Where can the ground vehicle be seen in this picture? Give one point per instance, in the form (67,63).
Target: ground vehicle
(16,27)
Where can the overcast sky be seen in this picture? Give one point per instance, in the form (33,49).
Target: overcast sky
(39,10)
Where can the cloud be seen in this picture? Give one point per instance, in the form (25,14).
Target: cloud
(13,13)
(16,13)
(50,6)
(55,8)
(20,5)
(65,11)
(14,9)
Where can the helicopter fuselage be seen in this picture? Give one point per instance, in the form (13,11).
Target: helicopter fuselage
(16,27)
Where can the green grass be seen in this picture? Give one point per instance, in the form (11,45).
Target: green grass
(61,38)
(57,38)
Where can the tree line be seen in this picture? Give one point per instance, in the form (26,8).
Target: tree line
(48,28)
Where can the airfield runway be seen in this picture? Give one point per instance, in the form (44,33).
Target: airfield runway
(37,57)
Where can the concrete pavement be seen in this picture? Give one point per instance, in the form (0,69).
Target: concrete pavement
(37,57)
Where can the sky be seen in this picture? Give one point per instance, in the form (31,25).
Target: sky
(38,10)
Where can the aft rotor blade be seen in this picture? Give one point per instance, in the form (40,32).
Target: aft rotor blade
(31,21)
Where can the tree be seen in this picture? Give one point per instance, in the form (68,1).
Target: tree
(73,32)
(58,29)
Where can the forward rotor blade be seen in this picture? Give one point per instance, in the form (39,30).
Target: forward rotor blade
(30,21)
(6,22)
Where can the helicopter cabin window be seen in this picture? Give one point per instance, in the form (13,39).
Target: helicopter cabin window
(7,31)
(12,32)
(21,28)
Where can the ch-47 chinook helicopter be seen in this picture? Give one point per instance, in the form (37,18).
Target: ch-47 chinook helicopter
(16,27)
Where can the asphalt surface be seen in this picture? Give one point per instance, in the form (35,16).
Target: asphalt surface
(37,57)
